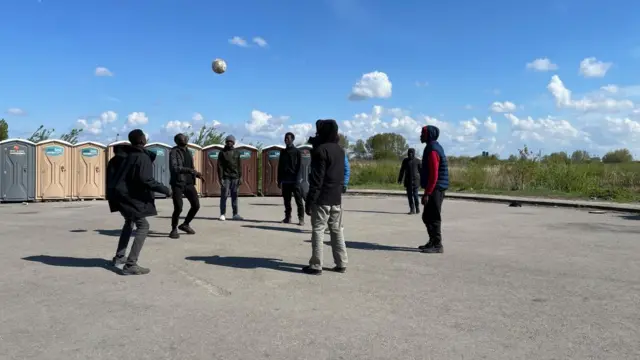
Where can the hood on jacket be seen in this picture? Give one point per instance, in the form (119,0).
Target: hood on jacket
(429,133)
(125,149)
(411,154)
(327,131)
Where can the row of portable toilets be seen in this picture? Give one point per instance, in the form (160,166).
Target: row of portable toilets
(58,170)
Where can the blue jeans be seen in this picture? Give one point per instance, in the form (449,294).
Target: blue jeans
(229,186)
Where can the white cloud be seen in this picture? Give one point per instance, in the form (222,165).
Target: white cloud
(542,64)
(260,41)
(137,118)
(592,67)
(375,84)
(543,129)
(108,117)
(265,125)
(610,88)
(103,71)
(563,98)
(502,107)
(176,126)
(238,41)
(16,112)
(197,117)
(94,127)
(490,125)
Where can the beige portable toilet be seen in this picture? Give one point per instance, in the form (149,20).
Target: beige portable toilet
(89,166)
(110,147)
(198,163)
(54,169)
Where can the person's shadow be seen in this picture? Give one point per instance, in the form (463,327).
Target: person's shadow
(66,261)
(360,245)
(241,262)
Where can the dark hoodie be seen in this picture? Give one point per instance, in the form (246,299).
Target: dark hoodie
(435,170)
(410,170)
(327,166)
(130,182)
(289,165)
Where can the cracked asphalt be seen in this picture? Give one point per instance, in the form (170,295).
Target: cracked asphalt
(513,283)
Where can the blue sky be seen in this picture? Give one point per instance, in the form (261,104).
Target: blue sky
(447,63)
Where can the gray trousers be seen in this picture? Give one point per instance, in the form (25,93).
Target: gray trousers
(323,216)
(142,229)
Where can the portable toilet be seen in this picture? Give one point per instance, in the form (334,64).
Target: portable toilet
(160,164)
(89,170)
(17,170)
(211,186)
(249,163)
(196,154)
(110,147)
(270,160)
(54,169)
(305,168)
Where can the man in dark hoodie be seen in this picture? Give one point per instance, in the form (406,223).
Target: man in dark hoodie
(324,199)
(288,172)
(183,183)
(410,172)
(130,191)
(435,181)
(230,176)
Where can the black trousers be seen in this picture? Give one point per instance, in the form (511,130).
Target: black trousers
(294,190)
(413,197)
(190,192)
(431,216)
(142,229)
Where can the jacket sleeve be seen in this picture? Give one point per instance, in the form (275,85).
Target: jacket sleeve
(347,171)
(403,169)
(145,173)
(239,164)
(432,179)
(220,167)
(316,177)
(174,164)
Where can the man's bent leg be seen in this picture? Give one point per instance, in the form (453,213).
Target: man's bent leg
(142,230)
(338,246)
(125,235)
(176,195)
(412,207)
(297,194)
(319,218)
(191,194)
(286,196)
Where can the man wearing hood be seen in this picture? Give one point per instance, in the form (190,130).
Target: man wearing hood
(410,172)
(288,172)
(230,176)
(183,183)
(435,181)
(130,191)
(324,199)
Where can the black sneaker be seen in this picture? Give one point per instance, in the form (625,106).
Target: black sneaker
(310,271)
(301,221)
(118,260)
(426,246)
(174,234)
(417,211)
(186,228)
(411,212)
(339,269)
(433,250)
(134,270)
(286,220)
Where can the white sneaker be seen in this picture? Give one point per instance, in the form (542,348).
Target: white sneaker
(237,217)
(222,218)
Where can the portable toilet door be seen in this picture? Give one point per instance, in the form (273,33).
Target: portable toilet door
(110,147)
(211,186)
(249,164)
(17,170)
(54,169)
(161,164)
(270,161)
(89,165)
(196,155)
(305,168)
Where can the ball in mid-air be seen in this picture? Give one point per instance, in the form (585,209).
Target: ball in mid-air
(219,66)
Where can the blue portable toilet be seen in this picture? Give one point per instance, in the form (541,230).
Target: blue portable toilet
(17,170)
(161,164)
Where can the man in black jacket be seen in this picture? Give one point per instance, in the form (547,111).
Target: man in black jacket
(130,191)
(324,199)
(288,172)
(410,170)
(230,176)
(183,183)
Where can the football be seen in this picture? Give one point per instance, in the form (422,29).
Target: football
(219,66)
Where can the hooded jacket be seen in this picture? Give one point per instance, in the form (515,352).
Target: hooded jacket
(130,182)
(326,178)
(289,165)
(410,170)
(181,167)
(435,169)
(229,164)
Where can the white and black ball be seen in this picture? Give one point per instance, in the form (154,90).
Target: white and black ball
(219,66)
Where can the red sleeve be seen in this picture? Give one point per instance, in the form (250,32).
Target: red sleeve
(433,163)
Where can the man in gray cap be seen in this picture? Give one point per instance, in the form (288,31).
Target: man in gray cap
(230,176)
